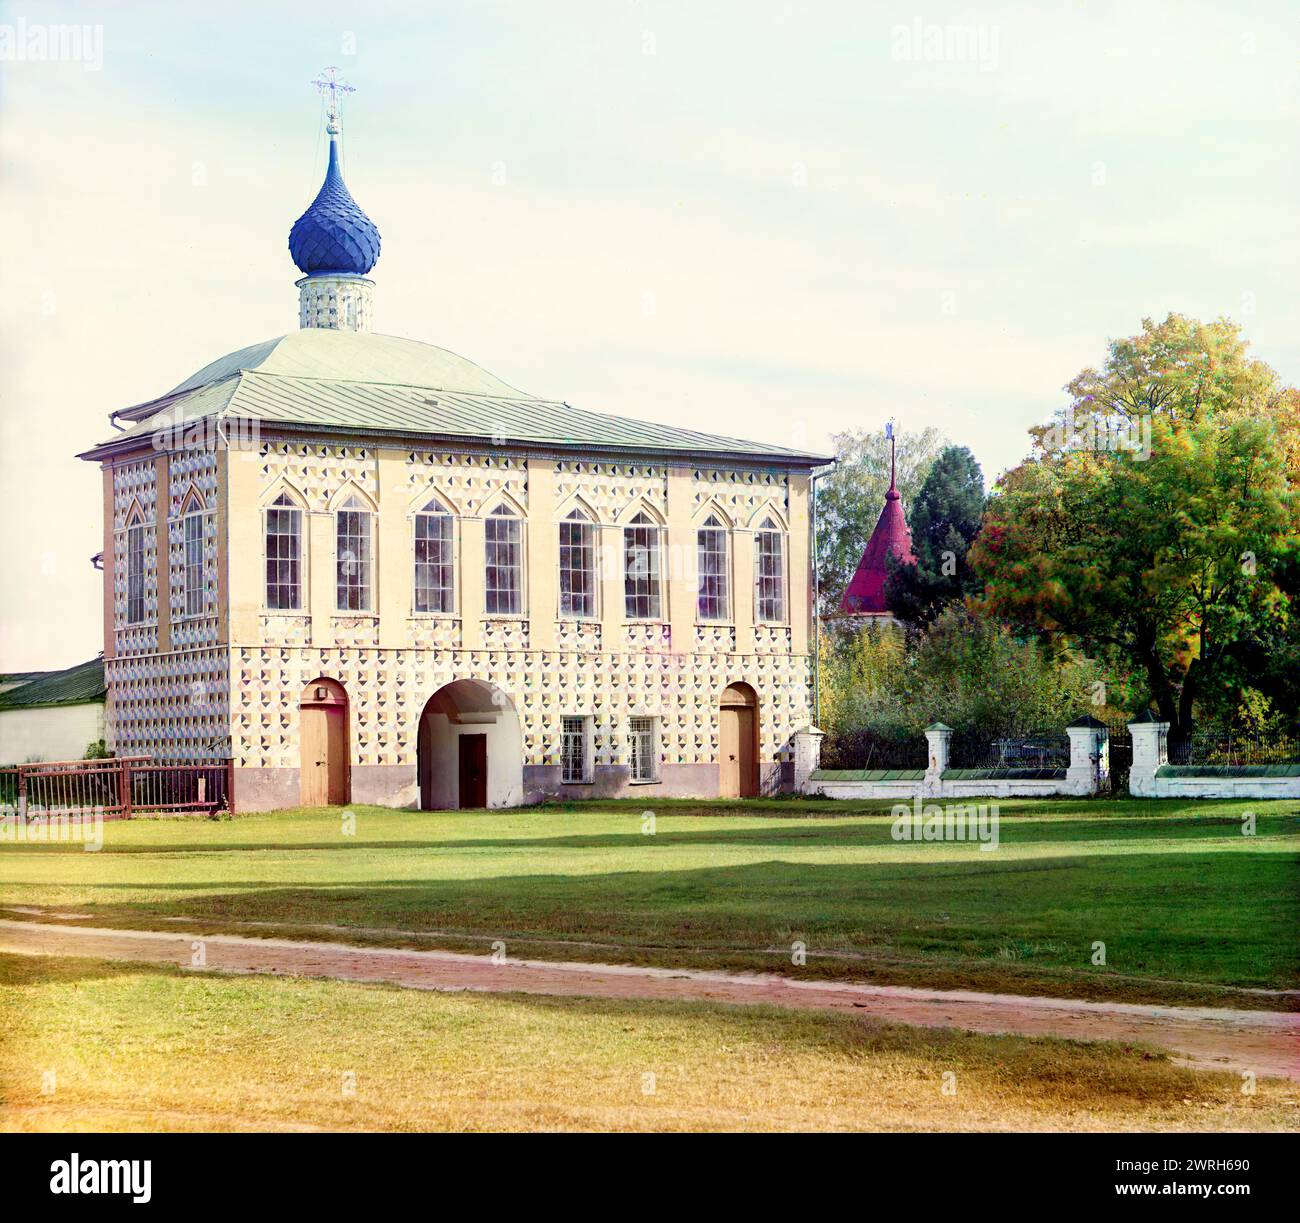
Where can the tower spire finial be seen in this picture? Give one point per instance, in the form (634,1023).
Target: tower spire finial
(889,433)
(330,82)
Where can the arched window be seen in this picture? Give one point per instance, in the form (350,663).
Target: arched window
(135,567)
(352,548)
(283,538)
(641,585)
(435,564)
(503,575)
(769,573)
(714,598)
(577,566)
(192,552)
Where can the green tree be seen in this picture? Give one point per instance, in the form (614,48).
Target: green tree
(850,497)
(944,517)
(1172,562)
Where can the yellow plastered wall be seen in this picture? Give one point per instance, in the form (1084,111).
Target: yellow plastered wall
(470,583)
(800,564)
(162,537)
(320,576)
(394,547)
(742,588)
(110,562)
(243,544)
(542,554)
(679,563)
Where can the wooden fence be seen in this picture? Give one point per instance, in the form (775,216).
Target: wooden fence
(118,786)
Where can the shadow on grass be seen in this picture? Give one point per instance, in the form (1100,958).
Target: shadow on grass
(1221,919)
(1021,831)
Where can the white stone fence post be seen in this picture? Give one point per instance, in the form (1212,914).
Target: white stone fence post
(937,738)
(807,756)
(1150,751)
(1089,769)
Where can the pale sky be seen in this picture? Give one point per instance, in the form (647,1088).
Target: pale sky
(772,220)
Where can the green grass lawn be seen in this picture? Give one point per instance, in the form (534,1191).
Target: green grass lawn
(1185,904)
(99,1046)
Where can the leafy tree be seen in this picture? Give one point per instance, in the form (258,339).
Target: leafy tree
(1172,562)
(944,517)
(849,499)
(1181,371)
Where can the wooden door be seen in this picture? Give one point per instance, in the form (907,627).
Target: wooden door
(738,743)
(323,745)
(729,747)
(747,764)
(473,770)
(314,771)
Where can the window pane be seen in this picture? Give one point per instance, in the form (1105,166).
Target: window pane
(433,563)
(135,574)
(769,576)
(643,749)
(352,560)
(573,750)
(194,594)
(503,571)
(577,569)
(713,601)
(283,550)
(641,572)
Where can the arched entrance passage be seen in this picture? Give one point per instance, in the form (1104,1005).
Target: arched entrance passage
(323,774)
(469,749)
(738,743)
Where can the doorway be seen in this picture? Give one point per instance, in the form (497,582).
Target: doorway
(473,770)
(469,748)
(323,774)
(738,743)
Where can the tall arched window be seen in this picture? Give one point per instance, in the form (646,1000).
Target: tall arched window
(352,548)
(503,575)
(435,564)
(577,566)
(136,532)
(641,568)
(714,598)
(192,523)
(769,573)
(283,537)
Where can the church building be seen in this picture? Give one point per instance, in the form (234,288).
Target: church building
(364,569)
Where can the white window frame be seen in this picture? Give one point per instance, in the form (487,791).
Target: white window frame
(136,577)
(576,729)
(448,526)
(579,522)
(643,749)
(284,504)
(193,601)
(503,515)
(643,523)
(354,575)
(780,590)
(713,527)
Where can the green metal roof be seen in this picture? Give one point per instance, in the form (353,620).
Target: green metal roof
(380,386)
(77,685)
(355,356)
(867,774)
(1290,769)
(1045,774)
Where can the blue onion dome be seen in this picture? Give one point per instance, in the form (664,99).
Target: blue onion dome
(334,237)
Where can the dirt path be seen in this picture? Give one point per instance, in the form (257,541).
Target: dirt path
(1265,1042)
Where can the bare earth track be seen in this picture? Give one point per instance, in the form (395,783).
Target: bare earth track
(1265,1042)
